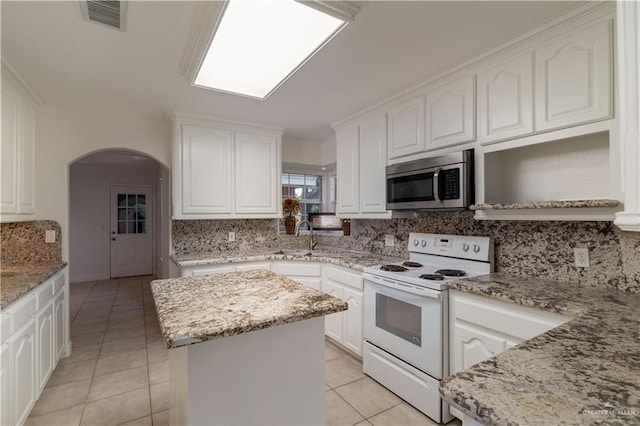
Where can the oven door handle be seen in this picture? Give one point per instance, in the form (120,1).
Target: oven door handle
(419,291)
(436,184)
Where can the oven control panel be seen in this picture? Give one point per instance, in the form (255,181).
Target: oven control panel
(460,246)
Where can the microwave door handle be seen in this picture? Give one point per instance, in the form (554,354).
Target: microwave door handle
(436,184)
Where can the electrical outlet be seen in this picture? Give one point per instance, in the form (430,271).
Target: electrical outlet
(389,240)
(581,255)
(50,236)
(232,236)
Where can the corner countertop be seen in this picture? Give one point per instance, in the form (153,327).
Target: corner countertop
(18,280)
(586,371)
(197,309)
(347,258)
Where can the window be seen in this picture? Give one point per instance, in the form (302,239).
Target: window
(305,188)
(132,214)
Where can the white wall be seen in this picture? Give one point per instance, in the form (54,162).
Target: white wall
(299,151)
(329,150)
(89,216)
(65,134)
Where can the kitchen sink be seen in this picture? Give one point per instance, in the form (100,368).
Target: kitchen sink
(294,252)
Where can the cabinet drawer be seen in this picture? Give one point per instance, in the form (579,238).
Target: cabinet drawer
(251,266)
(508,318)
(300,269)
(44,293)
(344,277)
(58,282)
(23,311)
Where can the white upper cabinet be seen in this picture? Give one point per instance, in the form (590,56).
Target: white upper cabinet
(406,128)
(505,100)
(574,78)
(18,150)
(256,164)
(450,114)
(373,157)
(222,170)
(206,170)
(347,170)
(361,161)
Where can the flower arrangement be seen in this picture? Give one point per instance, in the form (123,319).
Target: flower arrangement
(290,205)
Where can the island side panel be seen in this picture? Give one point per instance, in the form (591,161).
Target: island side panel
(270,376)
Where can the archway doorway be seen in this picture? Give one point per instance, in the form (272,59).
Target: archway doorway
(117,216)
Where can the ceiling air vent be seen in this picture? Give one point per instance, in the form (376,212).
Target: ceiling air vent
(106,12)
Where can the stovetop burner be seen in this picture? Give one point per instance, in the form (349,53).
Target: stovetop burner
(393,268)
(412,264)
(451,272)
(433,277)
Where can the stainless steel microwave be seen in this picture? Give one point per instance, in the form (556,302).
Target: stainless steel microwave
(435,183)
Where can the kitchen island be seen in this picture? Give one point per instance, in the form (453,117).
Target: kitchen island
(584,372)
(246,348)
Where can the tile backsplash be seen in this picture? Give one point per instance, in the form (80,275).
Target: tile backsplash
(531,248)
(23,243)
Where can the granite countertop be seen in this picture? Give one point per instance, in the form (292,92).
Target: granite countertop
(586,371)
(197,309)
(18,280)
(347,258)
(570,204)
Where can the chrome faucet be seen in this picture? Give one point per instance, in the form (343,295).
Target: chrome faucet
(312,240)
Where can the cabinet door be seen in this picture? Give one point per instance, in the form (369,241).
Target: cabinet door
(206,170)
(10,148)
(353,320)
(256,174)
(573,79)
(373,160)
(27,160)
(6,383)
(59,321)
(333,322)
(505,100)
(450,114)
(45,347)
(406,129)
(347,170)
(23,359)
(471,345)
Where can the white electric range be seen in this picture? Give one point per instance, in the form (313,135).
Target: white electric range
(406,345)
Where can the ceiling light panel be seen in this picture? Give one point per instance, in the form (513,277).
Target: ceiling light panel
(259,44)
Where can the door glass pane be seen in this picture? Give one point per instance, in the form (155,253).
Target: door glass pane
(132,214)
(399,318)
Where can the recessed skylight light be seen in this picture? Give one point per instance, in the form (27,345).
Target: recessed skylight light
(259,44)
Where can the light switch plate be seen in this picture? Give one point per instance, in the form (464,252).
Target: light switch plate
(232,236)
(389,240)
(50,236)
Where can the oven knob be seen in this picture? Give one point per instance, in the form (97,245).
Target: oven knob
(416,242)
(424,243)
(476,248)
(465,247)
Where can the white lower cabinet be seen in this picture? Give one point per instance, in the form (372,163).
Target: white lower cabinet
(480,327)
(22,350)
(45,327)
(306,273)
(35,336)
(6,395)
(345,327)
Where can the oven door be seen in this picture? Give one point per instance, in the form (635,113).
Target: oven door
(406,321)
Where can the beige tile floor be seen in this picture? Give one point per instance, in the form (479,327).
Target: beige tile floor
(118,372)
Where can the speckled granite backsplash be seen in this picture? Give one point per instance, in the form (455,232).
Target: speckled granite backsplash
(23,243)
(538,249)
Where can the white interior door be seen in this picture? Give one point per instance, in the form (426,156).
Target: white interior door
(131,231)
